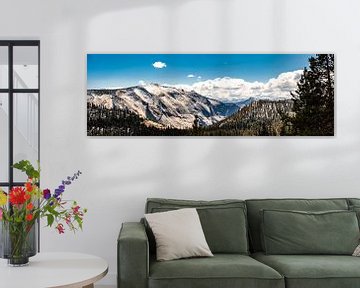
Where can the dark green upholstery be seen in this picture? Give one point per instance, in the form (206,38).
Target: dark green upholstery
(133,256)
(255,206)
(223,221)
(294,232)
(136,269)
(354,205)
(153,203)
(356,209)
(315,271)
(222,270)
(353,202)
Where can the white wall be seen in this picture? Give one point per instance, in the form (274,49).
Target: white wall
(120,173)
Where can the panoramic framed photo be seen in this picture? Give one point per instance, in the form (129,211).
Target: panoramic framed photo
(210,94)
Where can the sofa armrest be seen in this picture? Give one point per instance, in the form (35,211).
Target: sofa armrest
(133,256)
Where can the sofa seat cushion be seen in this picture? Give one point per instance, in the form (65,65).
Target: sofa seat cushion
(313,271)
(222,270)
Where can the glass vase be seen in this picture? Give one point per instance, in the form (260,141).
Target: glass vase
(18,242)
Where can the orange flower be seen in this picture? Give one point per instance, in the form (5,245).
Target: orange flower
(27,196)
(29,186)
(29,217)
(29,206)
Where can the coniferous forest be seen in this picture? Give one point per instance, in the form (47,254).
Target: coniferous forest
(309,111)
(313,110)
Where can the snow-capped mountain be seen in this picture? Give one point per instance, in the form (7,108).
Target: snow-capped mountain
(164,106)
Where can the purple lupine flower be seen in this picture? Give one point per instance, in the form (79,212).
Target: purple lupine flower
(58,192)
(64,183)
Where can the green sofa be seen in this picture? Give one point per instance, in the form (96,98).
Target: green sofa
(233,230)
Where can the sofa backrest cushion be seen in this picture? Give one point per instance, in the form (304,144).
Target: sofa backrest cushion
(353,202)
(223,221)
(298,232)
(255,206)
(354,205)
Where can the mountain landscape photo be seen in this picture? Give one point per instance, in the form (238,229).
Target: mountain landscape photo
(210,95)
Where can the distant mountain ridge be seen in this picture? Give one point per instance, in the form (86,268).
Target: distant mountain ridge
(165,106)
(167,111)
(261,118)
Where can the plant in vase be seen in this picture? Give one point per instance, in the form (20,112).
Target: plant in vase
(21,208)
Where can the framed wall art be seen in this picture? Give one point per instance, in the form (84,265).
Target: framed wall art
(210,94)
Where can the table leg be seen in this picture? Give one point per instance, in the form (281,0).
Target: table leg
(89,286)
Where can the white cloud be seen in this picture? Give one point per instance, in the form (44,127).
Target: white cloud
(190,76)
(142,83)
(159,65)
(199,77)
(232,89)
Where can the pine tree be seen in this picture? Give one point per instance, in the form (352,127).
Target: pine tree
(314,99)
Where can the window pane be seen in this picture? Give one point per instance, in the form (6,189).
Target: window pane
(4,188)
(4,137)
(26,67)
(26,132)
(4,67)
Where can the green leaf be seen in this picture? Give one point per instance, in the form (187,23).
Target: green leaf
(50,210)
(79,221)
(50,219)
(26,167)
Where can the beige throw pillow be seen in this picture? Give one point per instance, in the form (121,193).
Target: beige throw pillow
(357,251)
(178,234)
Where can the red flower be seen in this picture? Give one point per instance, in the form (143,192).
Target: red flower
(29,206)
(29,187)
(68,219)
(27,196)
(60,228)
(75,209)
(17,196)
(29,217)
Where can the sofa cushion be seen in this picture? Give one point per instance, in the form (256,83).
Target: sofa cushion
(255,206)
(313,271)
(224,222)
(354,205)
(353,201)
(356,209)
(222,270)
(178,234)
(297,232)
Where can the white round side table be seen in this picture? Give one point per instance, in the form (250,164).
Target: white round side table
(50,270)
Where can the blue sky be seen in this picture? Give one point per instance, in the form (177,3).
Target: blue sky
(124,70)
